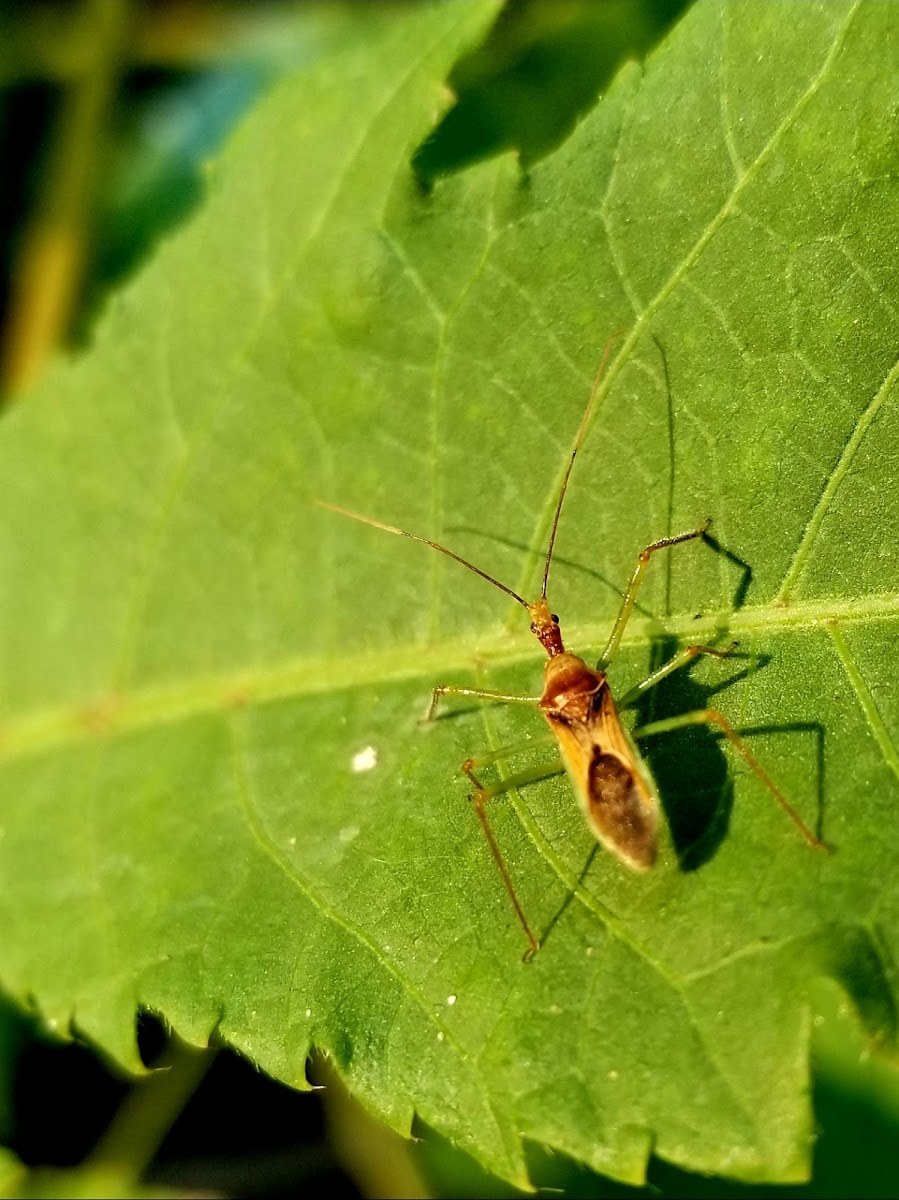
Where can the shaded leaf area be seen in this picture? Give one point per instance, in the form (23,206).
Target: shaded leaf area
(198,665)
(542,66)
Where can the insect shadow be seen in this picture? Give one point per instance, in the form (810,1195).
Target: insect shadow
(571,564)
(692,768)
(570,895)
(737,602)
(739,596)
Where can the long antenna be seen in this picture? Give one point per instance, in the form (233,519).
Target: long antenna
(577,445)
(346,512)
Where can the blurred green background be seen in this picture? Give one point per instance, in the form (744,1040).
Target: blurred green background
(108,112)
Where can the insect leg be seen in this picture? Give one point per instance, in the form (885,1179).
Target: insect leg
(680,660)
(633,586)
(492,756)
(711,716)
(480,796)
(450,689)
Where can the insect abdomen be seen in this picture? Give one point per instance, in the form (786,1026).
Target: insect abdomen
(620,816)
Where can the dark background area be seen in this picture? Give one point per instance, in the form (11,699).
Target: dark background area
(108,111)
(228,1129)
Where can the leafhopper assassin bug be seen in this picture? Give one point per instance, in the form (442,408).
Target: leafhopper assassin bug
(611,780)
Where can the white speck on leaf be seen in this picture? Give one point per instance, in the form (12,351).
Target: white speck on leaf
(451,1000)
(365,759)
(349,833)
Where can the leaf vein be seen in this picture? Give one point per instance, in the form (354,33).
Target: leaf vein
(171,494)
(43,731)
(680,270)
(876,723)
(724,101)
(834,480)
(240,753)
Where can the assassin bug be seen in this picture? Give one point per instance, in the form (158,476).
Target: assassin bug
(610,778)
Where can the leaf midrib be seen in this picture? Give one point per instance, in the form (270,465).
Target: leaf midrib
(43,731)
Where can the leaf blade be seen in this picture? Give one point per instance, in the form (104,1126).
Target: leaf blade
(186,704)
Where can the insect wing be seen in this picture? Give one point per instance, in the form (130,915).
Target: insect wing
(612,783)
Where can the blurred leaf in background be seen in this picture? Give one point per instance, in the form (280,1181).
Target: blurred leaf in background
(108,111)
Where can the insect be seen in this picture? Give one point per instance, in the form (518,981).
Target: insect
(610,778)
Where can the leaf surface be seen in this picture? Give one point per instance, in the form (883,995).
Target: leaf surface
(217,799)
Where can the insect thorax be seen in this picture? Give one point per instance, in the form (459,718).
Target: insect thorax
(570,687)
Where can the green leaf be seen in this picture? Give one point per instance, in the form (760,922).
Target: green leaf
(11,1173)
(194,656)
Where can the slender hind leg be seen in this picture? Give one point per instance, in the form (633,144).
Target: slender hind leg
(633,587)
(711,716)
(680,660)
(481,795)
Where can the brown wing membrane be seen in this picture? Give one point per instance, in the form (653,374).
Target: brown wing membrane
(618,811)
(610,782)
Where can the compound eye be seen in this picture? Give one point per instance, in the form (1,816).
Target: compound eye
(555,619)
(533,627)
